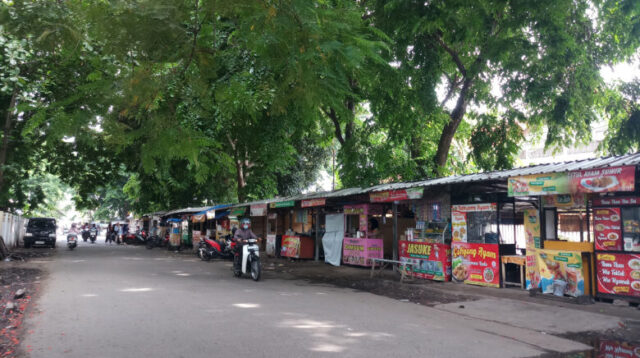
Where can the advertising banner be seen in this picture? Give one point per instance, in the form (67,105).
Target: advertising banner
(313,202)
(556,267)
(532,237)
(618,274)
(615,349)
(198,218)
(476,264)
(362,209)
(430,261)
(271,245)
(358,251)
(607,229)
(238,211)
(290,246)
(258,210)
(211,214)
(396,195)
(282,204)
(539,184)
(603,180)
(196,237)
(567,201)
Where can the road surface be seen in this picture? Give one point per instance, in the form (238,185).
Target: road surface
(122,301)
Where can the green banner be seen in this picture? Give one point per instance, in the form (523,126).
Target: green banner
(282,204)
(238,211)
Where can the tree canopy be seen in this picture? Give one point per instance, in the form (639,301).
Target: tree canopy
(152,104)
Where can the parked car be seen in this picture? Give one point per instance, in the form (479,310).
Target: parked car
(40,232)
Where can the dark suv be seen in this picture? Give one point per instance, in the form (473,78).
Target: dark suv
(40,231)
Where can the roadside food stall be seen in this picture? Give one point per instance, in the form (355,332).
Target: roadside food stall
(198,222)
(563,263)
(475,244)
(297,241)
(361,241)
(175,233)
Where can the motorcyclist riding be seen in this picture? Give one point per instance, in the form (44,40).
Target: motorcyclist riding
(242,234)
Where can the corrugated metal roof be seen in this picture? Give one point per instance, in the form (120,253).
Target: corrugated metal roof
(186,210)
(613,161)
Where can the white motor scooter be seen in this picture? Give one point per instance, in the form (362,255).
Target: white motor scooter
(250,260)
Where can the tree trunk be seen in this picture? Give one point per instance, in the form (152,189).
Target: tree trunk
(240,178)
(449,130)
(5,137)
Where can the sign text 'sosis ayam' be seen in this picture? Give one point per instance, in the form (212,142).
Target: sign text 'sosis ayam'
(416,249)
(473,252)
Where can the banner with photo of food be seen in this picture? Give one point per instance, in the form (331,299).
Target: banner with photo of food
(603,180)
(290,246)
(607,229)
(616,349)
(555,266)
(538,184)
(459,218)
(476,264)
(532,237)
(430,261)
(618,274)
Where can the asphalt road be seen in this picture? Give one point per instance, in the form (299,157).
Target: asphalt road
(122,301)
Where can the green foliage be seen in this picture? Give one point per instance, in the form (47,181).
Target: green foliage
(622,110)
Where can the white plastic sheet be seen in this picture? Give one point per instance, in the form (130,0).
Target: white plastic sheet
(332,239)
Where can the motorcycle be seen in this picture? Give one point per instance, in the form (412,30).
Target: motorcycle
(85,235)
(157,241)
(93,235)
(72,241)
(134,238)
(250,259)
(210,249)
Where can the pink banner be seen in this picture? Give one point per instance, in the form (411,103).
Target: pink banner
(359,251)
(603,180)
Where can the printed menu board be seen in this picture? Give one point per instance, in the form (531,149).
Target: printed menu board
(476,264)
(357,251)
(606,222)
(618,274)
(430,261)
(558,265)
(459,218)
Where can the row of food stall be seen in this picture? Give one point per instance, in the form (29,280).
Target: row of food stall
(569,229)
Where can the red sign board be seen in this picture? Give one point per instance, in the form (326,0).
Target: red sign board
(312,202)
(622,201)
(607,229)
(477,264)
(429,261)
(614,349)
(618,274)
(602,180)
(290,246)
(396,195)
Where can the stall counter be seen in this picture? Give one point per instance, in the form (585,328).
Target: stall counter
(588,259)
(358,251)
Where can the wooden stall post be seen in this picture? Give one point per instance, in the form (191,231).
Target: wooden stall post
(317,256)
(395,234)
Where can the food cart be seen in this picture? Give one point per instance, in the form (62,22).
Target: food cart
(359,245)
(175,233)
(475,244)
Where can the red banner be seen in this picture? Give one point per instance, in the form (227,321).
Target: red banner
(477,264)
(607,229)
(429,261)
(603,180)
(618,274)
(613,349)
(312,202)
(622,201)
(396,195)
(290,246)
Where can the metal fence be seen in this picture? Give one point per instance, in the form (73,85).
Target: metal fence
(11,228)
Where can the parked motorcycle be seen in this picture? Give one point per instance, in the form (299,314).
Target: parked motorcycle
(72,241)
(135,238)
(250,260)
(157,241)
(210,249)
(93,235)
